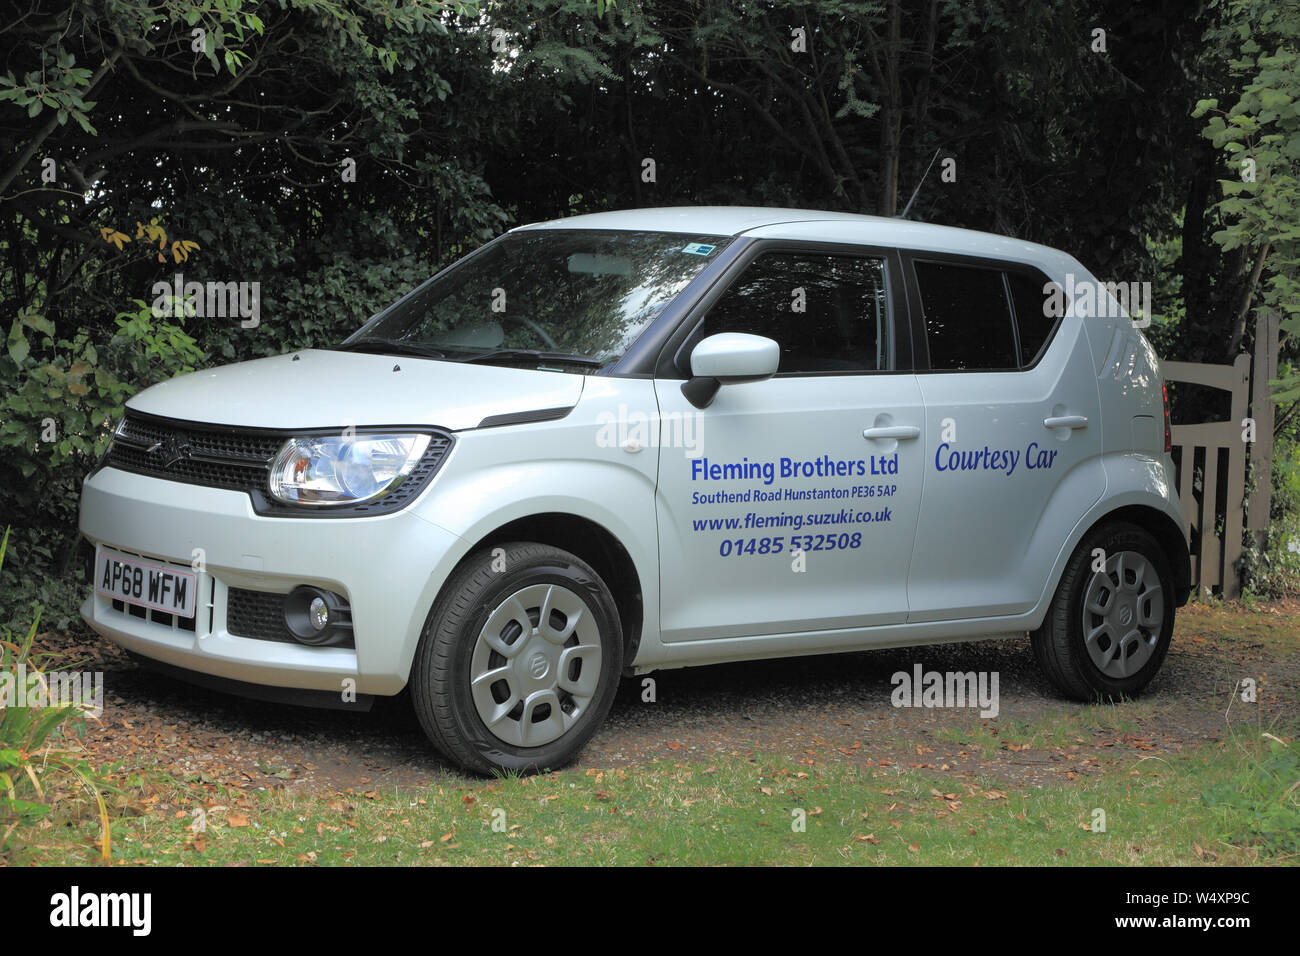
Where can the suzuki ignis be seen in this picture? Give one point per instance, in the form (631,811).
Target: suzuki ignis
(662,438)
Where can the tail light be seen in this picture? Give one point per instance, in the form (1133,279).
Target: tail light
(1169,435)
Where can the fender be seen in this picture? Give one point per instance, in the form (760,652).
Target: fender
(1131,482)
(478,502)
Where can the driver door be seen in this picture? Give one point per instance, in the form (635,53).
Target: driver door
(795,505)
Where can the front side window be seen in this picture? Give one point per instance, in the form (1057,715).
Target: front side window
(828,313)
(556,298)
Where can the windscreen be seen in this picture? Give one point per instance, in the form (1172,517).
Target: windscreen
(574,292)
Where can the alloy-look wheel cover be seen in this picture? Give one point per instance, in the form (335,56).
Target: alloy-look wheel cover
(1123,614)
(536,665)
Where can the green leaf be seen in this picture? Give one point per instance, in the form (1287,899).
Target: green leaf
(18,347)
(36,321)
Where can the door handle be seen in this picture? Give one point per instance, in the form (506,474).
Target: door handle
(893,431)
(1066,421)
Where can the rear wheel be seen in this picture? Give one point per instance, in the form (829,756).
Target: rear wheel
(1112,618)
(519,661)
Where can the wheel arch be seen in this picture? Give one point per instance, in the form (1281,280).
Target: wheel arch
(592,542)
(1168,534)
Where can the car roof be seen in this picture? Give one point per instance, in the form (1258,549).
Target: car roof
(812,225)
(693,220)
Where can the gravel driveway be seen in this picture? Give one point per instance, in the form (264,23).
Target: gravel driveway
(818,708)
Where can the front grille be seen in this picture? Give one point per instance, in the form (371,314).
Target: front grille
(260,615)
(239,459)
(233,459)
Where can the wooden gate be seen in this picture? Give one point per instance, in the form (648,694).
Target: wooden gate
(1214,510)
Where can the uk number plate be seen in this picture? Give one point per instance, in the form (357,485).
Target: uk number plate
(147,585)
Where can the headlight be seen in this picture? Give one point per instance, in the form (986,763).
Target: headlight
(343,469)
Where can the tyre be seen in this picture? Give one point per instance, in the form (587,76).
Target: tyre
(1110,622)
(519,660)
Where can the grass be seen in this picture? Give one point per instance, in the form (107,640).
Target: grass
(1260,803)
(733,811)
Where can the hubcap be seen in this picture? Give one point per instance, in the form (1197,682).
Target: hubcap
(1123,614)
(536,665)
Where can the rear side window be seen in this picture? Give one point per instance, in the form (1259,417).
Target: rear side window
(828,313)
(979,318)
(967,317)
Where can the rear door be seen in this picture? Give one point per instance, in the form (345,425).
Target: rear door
(1013,435)
(791,511)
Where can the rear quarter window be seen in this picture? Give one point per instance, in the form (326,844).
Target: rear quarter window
(1034,324)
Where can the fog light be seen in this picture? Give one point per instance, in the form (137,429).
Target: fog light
(318,613)
(317,617)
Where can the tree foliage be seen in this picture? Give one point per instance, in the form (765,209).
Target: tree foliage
(336,153)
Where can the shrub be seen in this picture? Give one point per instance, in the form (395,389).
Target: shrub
(36,754)
(59,398)
(1273,570)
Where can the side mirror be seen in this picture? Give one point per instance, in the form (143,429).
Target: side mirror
(729,358)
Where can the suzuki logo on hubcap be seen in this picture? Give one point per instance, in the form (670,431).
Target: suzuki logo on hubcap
(538,665)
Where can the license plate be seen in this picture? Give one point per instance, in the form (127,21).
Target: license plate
(147,585)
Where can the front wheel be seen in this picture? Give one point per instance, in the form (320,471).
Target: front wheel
(519,661)
(1110,623)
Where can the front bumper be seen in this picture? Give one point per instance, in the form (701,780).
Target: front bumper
(388,567)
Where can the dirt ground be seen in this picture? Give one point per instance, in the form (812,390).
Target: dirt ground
(818,708)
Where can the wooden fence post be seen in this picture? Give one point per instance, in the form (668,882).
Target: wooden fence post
(1262,409)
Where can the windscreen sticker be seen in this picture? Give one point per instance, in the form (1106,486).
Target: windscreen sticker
(698,249)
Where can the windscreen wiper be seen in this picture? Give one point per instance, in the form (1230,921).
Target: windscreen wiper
(570,357)
(389,346)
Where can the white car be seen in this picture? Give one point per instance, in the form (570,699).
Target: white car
(649,439)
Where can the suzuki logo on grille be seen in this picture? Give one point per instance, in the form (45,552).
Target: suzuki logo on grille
(169,451)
